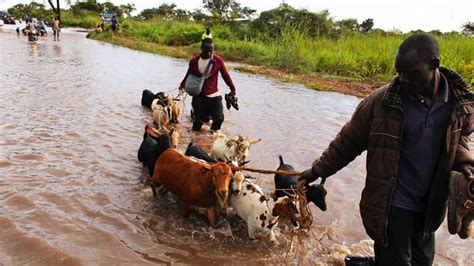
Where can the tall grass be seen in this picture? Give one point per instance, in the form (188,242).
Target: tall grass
(366,57)
(82,19)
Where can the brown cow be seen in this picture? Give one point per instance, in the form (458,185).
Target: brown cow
(194,182)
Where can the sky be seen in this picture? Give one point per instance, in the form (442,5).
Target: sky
(403,15)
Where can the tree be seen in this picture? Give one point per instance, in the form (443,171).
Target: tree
(167,11)
(366,25)
(33,9)
(128,9)
(90,5)
(198,15)
(350,24)
(227,9)
(468,28)
(181,14)
(273,21)
(112,8)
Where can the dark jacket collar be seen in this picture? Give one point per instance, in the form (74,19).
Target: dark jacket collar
(461,91)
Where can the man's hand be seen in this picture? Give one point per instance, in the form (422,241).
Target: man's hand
(467,170)
(308,176)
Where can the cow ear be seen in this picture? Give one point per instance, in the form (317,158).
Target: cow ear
(255,141)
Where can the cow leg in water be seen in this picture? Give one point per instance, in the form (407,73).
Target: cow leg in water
(211,215)
(183,207)
(153,190)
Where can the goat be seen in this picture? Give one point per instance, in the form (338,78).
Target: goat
(227,149)
(194,183)
(148,97)
(197,152)
(314,193)
(260,213)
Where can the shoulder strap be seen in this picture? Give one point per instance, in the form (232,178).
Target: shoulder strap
(208,67)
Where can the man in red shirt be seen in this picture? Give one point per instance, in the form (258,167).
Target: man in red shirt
(209,102)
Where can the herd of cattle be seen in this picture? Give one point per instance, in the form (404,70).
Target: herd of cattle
(205,180)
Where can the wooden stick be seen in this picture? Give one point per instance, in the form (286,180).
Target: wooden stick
(262,171)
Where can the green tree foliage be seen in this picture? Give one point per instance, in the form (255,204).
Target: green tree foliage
(468,28)
(366,25)
(112,8)
(349,24)
(128,9)
(90,5)
(198,15)
(165,11)
(33,9)
(223,10)
(312,24)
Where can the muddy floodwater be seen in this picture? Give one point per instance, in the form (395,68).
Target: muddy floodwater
(73,192)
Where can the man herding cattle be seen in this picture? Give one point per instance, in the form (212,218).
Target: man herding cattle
(200,82)
(415,130)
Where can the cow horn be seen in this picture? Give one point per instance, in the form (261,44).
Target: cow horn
(244,163)
(176,99)
(255,141)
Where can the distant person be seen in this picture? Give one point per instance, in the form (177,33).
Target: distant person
(209,102)
(207,34)
(98,29)
(114,23)
(41,26)
(415,131)
(102,22)
(56,28)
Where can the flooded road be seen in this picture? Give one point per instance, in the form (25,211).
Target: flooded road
(72,190)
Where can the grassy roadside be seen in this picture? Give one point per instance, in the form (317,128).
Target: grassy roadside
(322,83)
(352,64)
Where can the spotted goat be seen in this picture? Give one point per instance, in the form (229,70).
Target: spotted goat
(226,149)
(260,213)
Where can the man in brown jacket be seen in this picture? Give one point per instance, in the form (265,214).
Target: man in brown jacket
(415,130)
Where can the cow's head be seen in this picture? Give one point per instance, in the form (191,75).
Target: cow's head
(221,177)
(287,207)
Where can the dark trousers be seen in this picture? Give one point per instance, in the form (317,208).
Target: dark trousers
(205,107)
(406,243)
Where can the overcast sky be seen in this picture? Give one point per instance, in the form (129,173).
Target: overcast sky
(404,15)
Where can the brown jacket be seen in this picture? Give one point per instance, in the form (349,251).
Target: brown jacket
(376,126)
